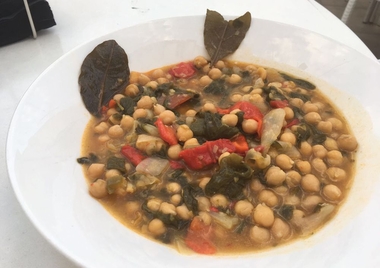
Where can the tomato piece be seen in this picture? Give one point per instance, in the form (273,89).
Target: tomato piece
(279,103)
(132,154)
(173,101)
(183,70)
(198,237)
(167,133)
(241,144)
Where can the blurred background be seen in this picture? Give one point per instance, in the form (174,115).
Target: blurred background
(363,19)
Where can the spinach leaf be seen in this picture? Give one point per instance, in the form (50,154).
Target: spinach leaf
(217,87)
(221,37)
(299,82)
(104,73)
(189,195)
(116,163)
(127,105)
(87,160)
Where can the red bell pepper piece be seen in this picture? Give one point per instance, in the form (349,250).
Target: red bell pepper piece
(175,100)
(278,103)
(167,133)
(295,121)
(241,144)
(250,112)
(132,154)
(183,70)
(198,237)
(206,154)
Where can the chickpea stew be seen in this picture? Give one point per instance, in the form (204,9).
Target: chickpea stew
(219,160)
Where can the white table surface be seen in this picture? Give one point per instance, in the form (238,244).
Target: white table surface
(21,245)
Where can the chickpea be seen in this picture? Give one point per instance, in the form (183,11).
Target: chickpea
(205,80)
(132,209)
(140,113)
(284,161)
(118,97)
(215,73)
(319,151)
(173,188)
(176,199)
(304,167)
(143,79)
(289,113)
(310,202)
(145,102)
(158,109)
(157,73)
(336,174)
(156,227)
(152,85)
(173,151)
(280,229)
(230,119)
(332,192)
(310,183)
(337,125)
(190,143)
(206,69)
(297,215)
(325,126)
(318,165)
(115,132)
(293,178)
(305,148)
(131,90)
(330,144)
(308,107)
(296,102)
(205,217)
(312,118)
(347,143)
(236,97)
(275,176)
(203,182)
(167,208)
(200,61)
(104,138)
(191,112)
(184,133)
(220,64)
(250,126)
(203,203)
(98,189)
(162,80)
(263,216)
(262,73)
(243,208)
(288,137)
(334,158)
(127,123)
(183,212)
(154,204)
(167,117)
(112,173)
(259,235)
(292,200)
(101,128)
(219,200)
(95,170)
(268,198)
(235,79)
(209,107)
(247,89)
(256,185)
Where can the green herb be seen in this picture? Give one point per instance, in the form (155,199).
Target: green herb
(116,163)
(104,73)
(221,37)
(299,82)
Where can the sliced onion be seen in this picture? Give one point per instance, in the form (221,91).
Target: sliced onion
(223,219)
(152,165)
(272,125)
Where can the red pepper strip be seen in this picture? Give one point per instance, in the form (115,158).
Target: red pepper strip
(279,103)
(206,154)
(183,70)
(112,103)
(198,237)
(176,164)
(241,144)
(167,133)
(294,122)
(173,101)
(214,209)
(250,112)
(132,154)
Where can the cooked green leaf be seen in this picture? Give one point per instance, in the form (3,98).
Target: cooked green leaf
(221,37)
(299,82)
(104,73)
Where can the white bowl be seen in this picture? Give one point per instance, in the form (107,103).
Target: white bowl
(45,138)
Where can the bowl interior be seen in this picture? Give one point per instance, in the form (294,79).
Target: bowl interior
(45,138)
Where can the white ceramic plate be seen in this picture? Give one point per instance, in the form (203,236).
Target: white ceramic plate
(45,138)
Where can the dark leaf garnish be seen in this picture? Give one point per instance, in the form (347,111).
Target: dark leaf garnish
(116,163)
(221,37)
(104,73)
(87,160)
(299,82)
(286,211)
